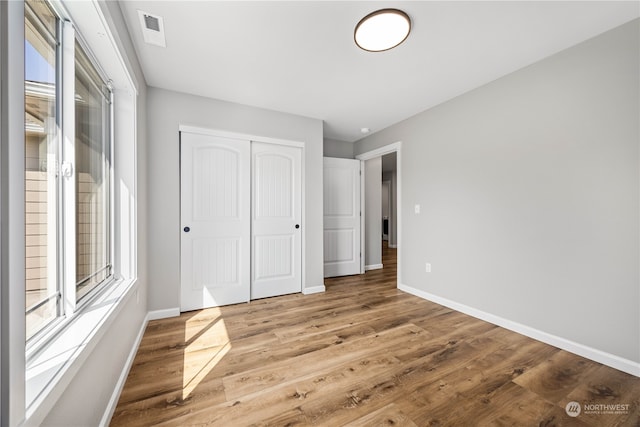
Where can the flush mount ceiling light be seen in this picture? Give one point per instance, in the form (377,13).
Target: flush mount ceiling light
(382,30)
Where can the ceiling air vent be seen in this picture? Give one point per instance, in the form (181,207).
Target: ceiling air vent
(152,28)
(151,22)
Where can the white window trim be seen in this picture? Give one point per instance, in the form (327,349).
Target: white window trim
(54,366)
(13,239)
(68,237)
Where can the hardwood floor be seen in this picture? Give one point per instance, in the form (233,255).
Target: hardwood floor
(361,354)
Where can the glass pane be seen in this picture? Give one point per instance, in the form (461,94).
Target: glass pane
(93,264)
(41,130)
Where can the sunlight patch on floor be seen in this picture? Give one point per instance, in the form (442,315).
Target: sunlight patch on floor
(200,321)
(206,346)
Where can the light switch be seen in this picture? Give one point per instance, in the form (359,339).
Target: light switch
(417,209)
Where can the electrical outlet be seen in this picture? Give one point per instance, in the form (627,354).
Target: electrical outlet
(416,209)
(427,267)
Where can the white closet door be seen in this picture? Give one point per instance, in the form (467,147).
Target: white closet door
(276,221)
(215,221)
(341,217)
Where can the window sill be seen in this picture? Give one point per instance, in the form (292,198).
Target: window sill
(50,371)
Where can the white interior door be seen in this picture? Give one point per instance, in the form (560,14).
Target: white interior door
(276,220)
(341,217)
(215,221)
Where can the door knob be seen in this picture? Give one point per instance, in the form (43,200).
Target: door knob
(186,229)
(297,225)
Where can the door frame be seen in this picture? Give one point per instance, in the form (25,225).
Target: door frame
(395,147)
(268,140)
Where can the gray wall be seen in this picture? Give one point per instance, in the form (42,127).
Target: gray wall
(166,112)
(336,148)
(373,211)
(529,188)
(86,398)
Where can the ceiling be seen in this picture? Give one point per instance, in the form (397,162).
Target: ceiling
(299,56)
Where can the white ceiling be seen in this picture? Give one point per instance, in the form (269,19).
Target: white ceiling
(299,56)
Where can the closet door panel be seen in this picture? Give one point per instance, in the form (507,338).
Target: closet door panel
(276,220)
(215,221)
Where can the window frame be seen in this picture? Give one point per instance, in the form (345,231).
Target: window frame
(111,278)
(37,384)
(68,304)
(51,324)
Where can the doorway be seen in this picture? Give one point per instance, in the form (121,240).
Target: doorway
(389,191)
(395,223)
(386,208)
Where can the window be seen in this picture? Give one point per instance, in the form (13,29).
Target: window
(92,161)
(41,188)
(67,171)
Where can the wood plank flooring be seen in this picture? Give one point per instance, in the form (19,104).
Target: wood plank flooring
(361,354)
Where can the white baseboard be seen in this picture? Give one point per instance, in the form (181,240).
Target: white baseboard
(393,246)
(113,401)
(373,267)
(163,314)
(313,290)
(599,356)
